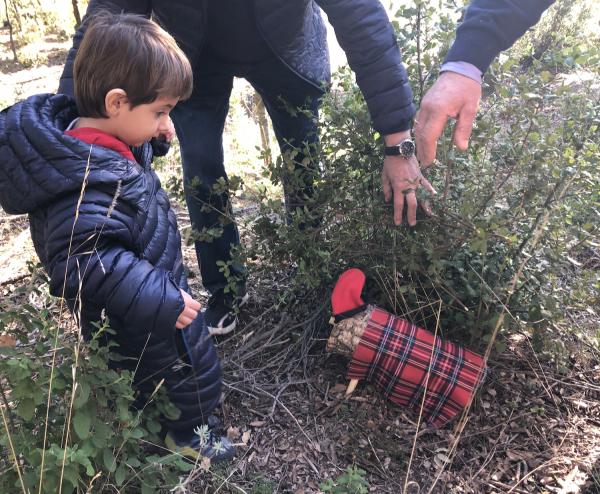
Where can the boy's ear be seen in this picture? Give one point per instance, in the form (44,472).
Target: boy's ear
(114,101)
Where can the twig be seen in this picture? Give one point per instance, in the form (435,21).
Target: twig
(9,436)
(429,369)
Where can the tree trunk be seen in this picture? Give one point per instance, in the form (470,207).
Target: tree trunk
(76,13)
(260,113)
(10,33)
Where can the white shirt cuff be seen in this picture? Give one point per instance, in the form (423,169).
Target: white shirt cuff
(464,68)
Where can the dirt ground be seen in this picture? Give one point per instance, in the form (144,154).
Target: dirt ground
(534,427)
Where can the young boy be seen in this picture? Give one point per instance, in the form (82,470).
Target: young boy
(102,225)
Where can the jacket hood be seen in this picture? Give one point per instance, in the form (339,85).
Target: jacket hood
(40,164)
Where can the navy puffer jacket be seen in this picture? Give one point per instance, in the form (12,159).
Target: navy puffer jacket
(105,233)
(295,32)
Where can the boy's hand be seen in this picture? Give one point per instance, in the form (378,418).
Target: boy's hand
(190,311)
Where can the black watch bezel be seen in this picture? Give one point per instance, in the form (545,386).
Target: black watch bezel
(406,149)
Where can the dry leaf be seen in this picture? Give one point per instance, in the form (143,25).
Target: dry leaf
(257,423)
(7,341)
(246,437)
(233,433)
(205,464)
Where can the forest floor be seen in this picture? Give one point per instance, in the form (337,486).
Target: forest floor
(533,428)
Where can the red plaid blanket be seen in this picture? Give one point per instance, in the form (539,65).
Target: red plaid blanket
(397,357)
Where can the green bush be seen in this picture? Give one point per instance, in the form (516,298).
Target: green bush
(91,437)
(510,215)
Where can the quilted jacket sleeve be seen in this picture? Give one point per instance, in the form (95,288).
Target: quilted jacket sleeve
(366,35)
(141,7)
(91,256)
(491,26)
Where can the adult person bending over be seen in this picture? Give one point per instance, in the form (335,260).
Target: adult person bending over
(280,47)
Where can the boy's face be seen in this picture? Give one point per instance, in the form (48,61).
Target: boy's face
(134,126)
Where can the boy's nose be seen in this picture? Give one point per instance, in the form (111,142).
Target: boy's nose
(163,124)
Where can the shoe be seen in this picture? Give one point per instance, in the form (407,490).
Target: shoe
(221,314)
(203,442)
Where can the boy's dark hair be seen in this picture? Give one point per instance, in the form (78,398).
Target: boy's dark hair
(132,53)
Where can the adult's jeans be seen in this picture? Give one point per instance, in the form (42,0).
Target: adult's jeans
(199,123)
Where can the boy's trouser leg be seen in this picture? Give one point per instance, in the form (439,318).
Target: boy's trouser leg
(199,122)
(188,363)
(283,93)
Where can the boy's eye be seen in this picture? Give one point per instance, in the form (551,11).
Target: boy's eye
(160,113)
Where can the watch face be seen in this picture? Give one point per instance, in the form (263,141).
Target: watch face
(407,148)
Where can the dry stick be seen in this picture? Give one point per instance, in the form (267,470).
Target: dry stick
(233,470)
(280,403)
(546,386)
(414,445)
(8,435)
(67,426)
(546,463)
(539,224)
(494,448)
(133,425)
(61,312)
(281,390)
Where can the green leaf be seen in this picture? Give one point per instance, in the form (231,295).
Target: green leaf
(148,489)
(82,394)
(109,460)
(82,422)
(101,434)
(26,408)
(137,433)
(120,475)
(71,475)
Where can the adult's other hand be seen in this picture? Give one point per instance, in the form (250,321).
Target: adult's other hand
(451,96)
(401,177)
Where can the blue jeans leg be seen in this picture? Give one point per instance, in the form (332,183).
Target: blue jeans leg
(199,123)
(293,106)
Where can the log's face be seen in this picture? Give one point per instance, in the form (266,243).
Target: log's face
(347,333)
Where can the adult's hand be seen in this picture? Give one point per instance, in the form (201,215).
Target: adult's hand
(451,96)
(401,177)
(166,131)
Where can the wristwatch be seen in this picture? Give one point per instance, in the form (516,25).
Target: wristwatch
(406,149)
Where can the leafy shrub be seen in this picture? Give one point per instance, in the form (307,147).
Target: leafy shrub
(95,434)
(508,217)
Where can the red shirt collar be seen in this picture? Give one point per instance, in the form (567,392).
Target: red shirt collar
(100,138)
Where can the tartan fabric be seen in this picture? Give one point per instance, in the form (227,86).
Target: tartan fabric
(397,357)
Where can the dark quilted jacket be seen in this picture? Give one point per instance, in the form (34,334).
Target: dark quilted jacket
(295,32)
(122,246)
